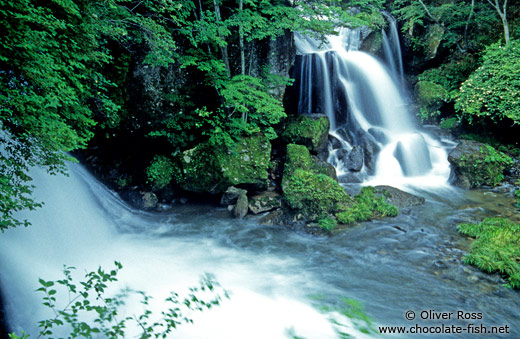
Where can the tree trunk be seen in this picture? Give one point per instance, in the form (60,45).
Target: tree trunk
(241,41)
(223,49)
(502,13)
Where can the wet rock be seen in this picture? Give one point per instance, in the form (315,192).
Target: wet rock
(231,195)
(351,178)
(264,202)
(373,42)
(398,198)
(342,154)
(241,207)
(471,165)
(371,149)
(273,218)
(335,142)
(379,134)
(355,159)
(311,131)
(346,135)
(141,199)
(324,167)
(433,40)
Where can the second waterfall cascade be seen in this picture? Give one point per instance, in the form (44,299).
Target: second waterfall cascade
(369,113)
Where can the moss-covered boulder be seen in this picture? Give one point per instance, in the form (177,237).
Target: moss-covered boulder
(305,188)
(309,130)
(476,164)
(209,168)
(366,205)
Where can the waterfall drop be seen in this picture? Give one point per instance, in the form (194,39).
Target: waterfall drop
(367,106)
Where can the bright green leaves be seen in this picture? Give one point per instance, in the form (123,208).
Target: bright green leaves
(496,248)
(84,310)
(493,90)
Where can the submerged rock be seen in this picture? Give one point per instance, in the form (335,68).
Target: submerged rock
(398,198)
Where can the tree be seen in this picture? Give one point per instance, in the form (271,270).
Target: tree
(501,8)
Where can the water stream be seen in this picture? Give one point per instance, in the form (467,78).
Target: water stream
(412,262)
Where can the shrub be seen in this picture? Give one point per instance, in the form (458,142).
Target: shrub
(493,89)
(496,248)
(160,172)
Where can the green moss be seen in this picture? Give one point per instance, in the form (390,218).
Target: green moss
(314,195)
(160,172)
(365,206)
(328,223)
(213,168)
(309,131)
(430,96)
(486,167)
(496,248)
(449,123)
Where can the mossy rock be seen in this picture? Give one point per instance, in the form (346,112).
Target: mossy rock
(476,164)
(208,168)
(315,195)
(496,248)
(311,131)
(264,202)
(365,206)
(299,157)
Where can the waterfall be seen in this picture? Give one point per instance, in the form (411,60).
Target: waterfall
(369,112)
(392,48)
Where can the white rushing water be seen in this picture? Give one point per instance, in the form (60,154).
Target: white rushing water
(85,225)
(366,105)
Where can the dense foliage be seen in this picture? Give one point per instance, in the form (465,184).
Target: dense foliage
(493,90)
(496,248)
(71,70)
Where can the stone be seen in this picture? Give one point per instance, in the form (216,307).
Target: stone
(324,167)
(433,40)
(311,131)
(398,198)
(335,142)
(230,196)
(354,161)
(342,154)
(241,207)
(264,202)
(141,199)
(475,164)
(371,149)
(208,168)
(275,217)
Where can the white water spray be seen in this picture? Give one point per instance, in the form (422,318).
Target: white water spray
(366,107)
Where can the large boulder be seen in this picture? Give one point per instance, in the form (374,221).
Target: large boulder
(476,164)
(208,168)
(305,189)
(231,195)
(354,161)
(311,131)
(398,198)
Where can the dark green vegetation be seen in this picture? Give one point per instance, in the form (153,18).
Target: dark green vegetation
(477,164)
(137,83)
(88,312)
(496,247)
(320,198)
(365,206)
(465,54)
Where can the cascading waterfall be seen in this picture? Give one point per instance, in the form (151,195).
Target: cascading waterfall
(371,123)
